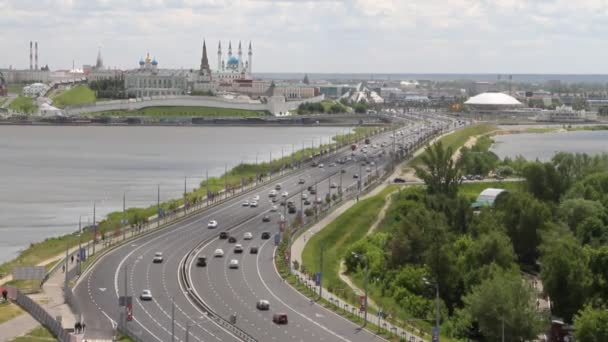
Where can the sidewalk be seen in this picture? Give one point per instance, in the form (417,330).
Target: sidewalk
(298,246)
(52,300)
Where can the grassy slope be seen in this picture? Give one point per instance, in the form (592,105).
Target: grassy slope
(460,137)
(186,112)
(9,311)
(38,334)
(74,96)
(336,238)
(23,104)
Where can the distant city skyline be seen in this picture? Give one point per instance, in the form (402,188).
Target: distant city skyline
(320,36)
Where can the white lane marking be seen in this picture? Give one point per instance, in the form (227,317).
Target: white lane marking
(287,305)
(114,325)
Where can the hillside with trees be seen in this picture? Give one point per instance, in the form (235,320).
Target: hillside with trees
(551,229)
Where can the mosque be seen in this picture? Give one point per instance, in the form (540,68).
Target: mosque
(232,73)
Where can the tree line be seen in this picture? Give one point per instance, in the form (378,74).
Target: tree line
(556,226)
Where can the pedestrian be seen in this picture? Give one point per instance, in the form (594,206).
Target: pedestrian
(83,326)
(63,268)
(72,259)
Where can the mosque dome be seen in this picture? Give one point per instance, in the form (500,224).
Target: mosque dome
(233,61)
(154,62)
(141,62)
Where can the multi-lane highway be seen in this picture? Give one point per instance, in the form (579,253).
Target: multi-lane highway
(227,291)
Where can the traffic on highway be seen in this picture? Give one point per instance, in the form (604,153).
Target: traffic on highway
(226,253)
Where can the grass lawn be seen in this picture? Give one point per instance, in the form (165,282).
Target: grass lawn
(23,104)
(472,190)
(38,334)
(339,235)
(458,138)
(15,88)
(9,311)
(162,112)
(77,95)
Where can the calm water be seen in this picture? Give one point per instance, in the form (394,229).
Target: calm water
(49,176)
(543,146)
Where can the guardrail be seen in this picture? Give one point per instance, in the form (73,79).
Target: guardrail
(203,306)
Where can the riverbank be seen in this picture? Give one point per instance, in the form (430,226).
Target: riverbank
(50,247)
(343,120)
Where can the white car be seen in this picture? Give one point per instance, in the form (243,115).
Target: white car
(253,204)
(158,258)
(272,193)
(321,166)
(212,224)
(245,203)
(218,253)
(285,194)
(304,196)
(145,295)
(233,264)
(247,236)
(256,197)
(274,208)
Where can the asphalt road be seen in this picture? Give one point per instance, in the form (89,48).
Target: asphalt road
(227,291)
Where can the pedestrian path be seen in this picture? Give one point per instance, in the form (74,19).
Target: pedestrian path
(298,247)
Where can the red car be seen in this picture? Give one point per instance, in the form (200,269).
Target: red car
(279,318)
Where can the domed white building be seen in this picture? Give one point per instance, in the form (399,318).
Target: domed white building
(492,101)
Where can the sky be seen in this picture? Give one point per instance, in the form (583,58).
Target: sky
(315,36)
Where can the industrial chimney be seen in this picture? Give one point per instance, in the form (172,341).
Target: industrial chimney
(31,64)
(36,56)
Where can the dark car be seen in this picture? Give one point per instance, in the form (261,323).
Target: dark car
(265,235)
(232,239)
(266,218)
(253,250)
(291,210)
(201,261)
(313,191)
(301,181)
(343,171)
(355,176)
(223,235)
(279,318)
(306,202)
(310,188)
(398,180)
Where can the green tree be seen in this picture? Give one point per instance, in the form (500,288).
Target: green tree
(543,181)
(574,211)
(503,300)
(591,325)
(525,218)
(439,171)
(565,273)
(597,259)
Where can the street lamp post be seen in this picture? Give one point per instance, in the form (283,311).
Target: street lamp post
(362,257)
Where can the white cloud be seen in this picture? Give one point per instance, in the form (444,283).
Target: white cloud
(369,36)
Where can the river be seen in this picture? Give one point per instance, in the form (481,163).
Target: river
(52,175)
(543,146)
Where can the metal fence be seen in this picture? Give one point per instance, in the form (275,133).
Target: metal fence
(40,314)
